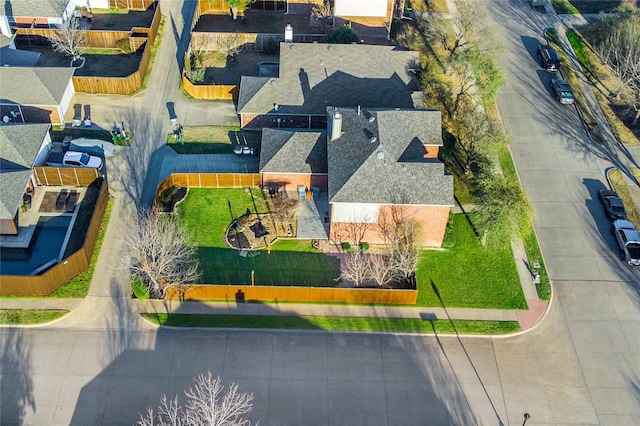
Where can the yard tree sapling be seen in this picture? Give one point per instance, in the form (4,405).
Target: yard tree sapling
(230,45)
(380,269)
(207,405)
(157,250)
(70,40)
(237,5)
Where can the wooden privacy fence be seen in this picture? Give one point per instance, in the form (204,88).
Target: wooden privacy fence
(116,85)
(298,294)
(57,275)
(65,176)
(210,91)
(210,180)
(131,4)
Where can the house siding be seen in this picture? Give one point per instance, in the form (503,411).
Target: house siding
(291,181)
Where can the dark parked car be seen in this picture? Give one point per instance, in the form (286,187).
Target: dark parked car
(549,59)
(562,91)
(613,206)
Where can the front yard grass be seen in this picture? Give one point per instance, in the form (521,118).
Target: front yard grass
(29,316)
(618,184)
(386,325)
(469,275)
(208,212)
(466,275)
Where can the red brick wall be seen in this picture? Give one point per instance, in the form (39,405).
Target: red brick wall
(290,182)
(431,219)
(431,151)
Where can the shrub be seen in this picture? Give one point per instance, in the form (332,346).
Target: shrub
(346,246)
(124,45)
(139,288)
(343,35)
(166,196)
(364,246)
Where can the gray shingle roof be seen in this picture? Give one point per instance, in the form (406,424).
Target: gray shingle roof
(18,58)
(391,169)
(19,147)
(35,8)
(293,152)
(34,86)
(314,76)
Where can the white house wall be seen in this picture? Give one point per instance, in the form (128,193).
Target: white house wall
(66,99)
(376,8)
(44,151)
(355,212)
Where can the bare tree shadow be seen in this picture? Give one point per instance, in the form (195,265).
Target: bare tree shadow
(16,384)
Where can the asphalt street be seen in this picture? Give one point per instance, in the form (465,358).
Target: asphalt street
(103,365)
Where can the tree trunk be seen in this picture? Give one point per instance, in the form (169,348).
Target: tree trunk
(234,13)
(636,117)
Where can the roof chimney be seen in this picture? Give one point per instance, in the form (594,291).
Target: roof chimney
(359,110)
(336,126)
(288,34)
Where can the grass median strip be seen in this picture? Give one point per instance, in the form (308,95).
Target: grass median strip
(29,316)
(399,325)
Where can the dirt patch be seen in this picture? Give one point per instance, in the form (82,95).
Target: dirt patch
(104,20)
(103,65)
(256,22)
(251,232)
(222,70)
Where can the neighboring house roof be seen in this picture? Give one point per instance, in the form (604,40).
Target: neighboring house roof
(293,152)
(314,76)
(390,169)
(18,58)
(35,8)
(19,147)
(34,86)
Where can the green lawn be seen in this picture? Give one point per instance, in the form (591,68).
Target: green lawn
(581,51)
(399,325)
(208,212)
(31,316)
(469,275)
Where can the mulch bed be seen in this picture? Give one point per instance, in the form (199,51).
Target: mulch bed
(251,232)
(169,205)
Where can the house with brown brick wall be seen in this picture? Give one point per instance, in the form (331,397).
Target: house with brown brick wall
(313,76)
(371,160)
(35,94)
(379,158)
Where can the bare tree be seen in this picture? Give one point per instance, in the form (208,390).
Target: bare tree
(321,12)
(380,269)
(207,404)
(616,38)
(230,45)
(70,40)
(356,230)
(438,29)
(355,267)
(157,250)
(400,231)
(282,208)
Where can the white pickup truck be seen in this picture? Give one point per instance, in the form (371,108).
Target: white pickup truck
(628,239)
(78,159)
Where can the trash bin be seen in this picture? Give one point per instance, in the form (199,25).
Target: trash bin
(66,142)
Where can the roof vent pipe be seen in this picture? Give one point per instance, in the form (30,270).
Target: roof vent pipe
(359,110)
(336,126)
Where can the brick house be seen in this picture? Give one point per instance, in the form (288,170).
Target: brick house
(373,159)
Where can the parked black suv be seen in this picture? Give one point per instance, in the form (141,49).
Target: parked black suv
(549,59)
